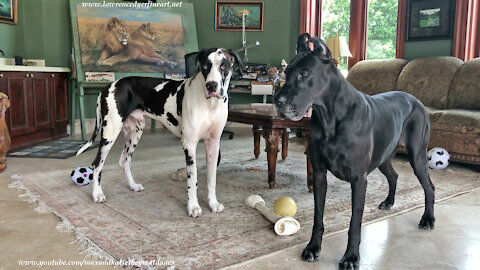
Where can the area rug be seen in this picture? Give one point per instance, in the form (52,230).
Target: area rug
(57,149)
(153,225)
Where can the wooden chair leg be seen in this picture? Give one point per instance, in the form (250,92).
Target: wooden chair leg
(271,139)
(285,135)
(256,140)
(82,112)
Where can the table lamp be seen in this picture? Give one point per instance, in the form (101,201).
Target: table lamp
(338,47)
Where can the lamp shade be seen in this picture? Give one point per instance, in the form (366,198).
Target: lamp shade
(338,46)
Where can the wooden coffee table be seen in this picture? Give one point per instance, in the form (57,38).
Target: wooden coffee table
(265,121)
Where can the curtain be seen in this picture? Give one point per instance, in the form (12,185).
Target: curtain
(466,39)
(401,28)
(358,31)
(311,17)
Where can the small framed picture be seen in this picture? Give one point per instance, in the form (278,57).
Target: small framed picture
(8,11)
(103,77)
(429,19)
(229,15)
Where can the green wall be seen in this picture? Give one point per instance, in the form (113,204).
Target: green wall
(7,39)
(42,32)
(277,40)
(417,49)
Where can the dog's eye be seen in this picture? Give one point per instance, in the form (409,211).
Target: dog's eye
(205,67)
(304,74)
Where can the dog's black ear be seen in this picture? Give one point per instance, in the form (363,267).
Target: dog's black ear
(236,60)
(201,55)
(191,64)
(321,49)
(302,43)
(302,49)
(235,57)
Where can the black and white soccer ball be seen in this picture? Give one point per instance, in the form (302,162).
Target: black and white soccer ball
(82,176)
(438,158)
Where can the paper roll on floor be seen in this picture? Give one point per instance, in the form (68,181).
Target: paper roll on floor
(262,89)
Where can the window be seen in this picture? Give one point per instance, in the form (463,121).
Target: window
(382,29)
(348,18)
(336,20)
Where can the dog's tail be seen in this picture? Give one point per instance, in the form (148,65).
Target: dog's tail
(98,126)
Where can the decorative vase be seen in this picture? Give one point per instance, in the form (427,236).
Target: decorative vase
(4,135)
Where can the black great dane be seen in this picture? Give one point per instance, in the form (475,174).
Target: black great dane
(351,135)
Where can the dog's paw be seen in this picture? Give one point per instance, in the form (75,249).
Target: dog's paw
(99,197)
(349,262)
(216,207)
(194,211)
(427,223)
(385,205)
(310,254)
(137,187)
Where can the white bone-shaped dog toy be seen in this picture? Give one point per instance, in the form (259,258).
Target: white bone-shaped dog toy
(283,225)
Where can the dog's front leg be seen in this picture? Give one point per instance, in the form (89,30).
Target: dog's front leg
(351,258)
(312,251)
(190,149)
(212,147)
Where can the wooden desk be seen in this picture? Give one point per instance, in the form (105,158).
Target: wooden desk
(265,121)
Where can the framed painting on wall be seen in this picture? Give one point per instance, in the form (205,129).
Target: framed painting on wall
(8,11)
(147,40)
(229,15)
(429,19)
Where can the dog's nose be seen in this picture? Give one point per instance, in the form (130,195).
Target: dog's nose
(212,86)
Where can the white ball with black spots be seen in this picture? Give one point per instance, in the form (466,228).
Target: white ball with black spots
(438,158)
(82,176)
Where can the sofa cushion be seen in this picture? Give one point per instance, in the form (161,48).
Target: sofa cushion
(458,131)
(465,90)
(464,121)
(376,76)
(429,79)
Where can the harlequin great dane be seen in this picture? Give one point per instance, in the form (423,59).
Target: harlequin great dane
(351,135)
(193,109)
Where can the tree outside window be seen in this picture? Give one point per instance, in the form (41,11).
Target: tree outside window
(336,19)
(382,26)
(382,29)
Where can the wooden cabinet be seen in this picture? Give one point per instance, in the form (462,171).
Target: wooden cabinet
(38,106)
